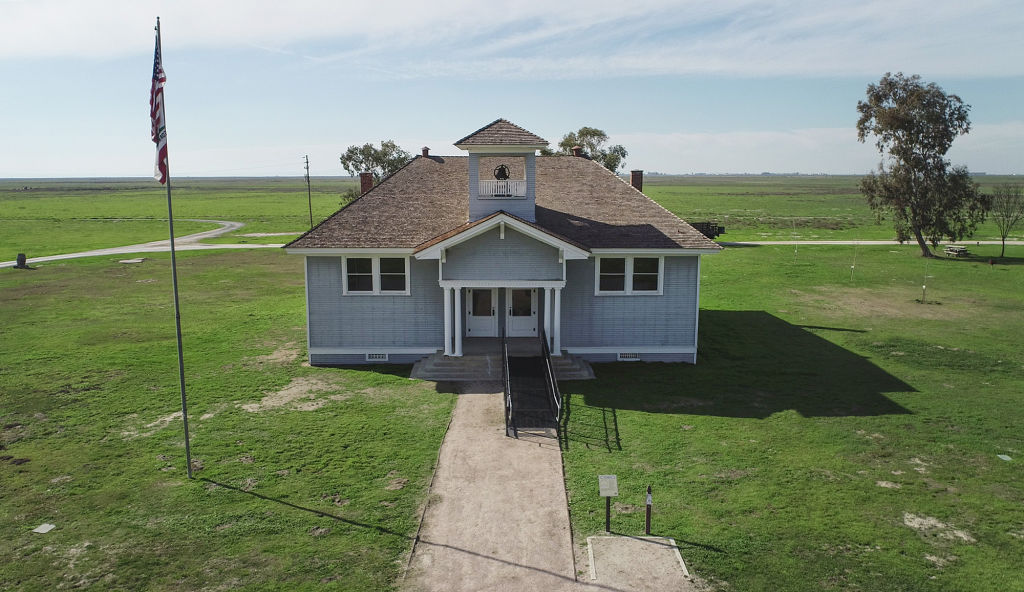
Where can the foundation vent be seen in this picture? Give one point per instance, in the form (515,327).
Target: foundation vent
(376,357)
(628,357)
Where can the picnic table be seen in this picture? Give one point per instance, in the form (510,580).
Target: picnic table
(955,251)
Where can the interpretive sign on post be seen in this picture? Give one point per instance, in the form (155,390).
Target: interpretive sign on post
(608,485)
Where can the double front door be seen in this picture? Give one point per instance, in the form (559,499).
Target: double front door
(482,312)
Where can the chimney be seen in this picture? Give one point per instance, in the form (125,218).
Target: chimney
(577,150)
(636,179)
(365,182)
(426,152)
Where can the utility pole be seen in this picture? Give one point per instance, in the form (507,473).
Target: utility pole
(309,194)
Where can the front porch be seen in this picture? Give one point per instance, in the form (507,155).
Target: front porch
(481,360)
(482,310)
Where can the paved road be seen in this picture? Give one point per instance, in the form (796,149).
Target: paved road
(192,242)
(182,243)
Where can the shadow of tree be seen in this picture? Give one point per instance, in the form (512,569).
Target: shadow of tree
(750,364)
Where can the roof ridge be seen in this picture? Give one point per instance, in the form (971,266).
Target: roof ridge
(529,137)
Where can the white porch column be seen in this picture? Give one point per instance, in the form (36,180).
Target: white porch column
(547,315)
(556,349)
(447,321)
(458,321)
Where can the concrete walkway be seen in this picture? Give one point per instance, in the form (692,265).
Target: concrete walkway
(497,517)
(182,243)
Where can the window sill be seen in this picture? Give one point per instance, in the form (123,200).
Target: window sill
(641,293)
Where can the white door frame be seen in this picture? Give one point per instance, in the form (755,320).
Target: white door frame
(526,326)
(476,326)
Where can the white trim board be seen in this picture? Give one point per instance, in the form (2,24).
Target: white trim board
(652,252)
(373,350)
(501,283)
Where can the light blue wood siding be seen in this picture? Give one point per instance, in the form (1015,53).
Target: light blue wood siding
(488,257)
(335,320)
(606,321)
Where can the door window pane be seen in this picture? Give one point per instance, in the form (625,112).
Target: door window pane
(482,303)
(522,303)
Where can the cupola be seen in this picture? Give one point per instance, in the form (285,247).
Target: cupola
(502,170)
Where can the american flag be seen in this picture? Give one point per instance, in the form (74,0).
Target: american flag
(156,114)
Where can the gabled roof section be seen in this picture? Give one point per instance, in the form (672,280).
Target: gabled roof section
(501,132)
(432,248)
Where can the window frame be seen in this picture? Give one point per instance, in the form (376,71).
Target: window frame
(376,276)
(628,287)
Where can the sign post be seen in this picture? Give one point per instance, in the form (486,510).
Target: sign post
(608,486)
(647,525)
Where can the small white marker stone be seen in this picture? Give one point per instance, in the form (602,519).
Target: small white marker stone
(1004,457)
(44,528)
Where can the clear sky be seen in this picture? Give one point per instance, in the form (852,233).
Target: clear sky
(712,86)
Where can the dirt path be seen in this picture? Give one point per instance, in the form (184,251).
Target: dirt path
(181,243)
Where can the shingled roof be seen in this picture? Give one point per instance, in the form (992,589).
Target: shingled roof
(502,132)
(577,199)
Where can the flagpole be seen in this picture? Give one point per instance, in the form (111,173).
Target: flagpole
(174,281)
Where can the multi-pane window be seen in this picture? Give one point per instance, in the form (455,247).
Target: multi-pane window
(392,274)
(376,275)
(645,274)
(629,275)
(359,273)
(612,274)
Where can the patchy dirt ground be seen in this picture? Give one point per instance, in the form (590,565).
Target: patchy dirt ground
(303,393)
(933,527)
(880,303)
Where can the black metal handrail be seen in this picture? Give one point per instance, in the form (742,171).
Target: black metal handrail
(510,424)
(550,382)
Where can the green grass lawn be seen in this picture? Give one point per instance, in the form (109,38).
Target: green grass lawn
(38,238)
(85,214)
(785,208)
(835,433)
(310,478)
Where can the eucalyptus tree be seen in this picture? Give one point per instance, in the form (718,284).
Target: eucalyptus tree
(914,125)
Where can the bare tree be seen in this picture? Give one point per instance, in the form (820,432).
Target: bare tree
(1007,209)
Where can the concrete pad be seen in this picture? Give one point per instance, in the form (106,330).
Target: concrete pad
(638,563)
